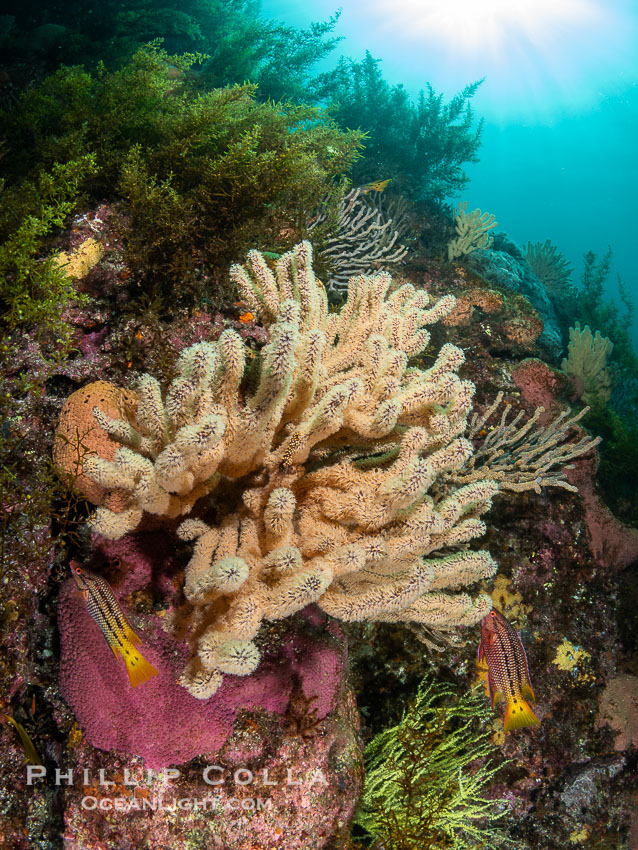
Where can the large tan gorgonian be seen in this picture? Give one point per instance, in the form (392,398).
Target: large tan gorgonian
(343,451)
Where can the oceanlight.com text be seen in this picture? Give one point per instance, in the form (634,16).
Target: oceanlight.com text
(128,805)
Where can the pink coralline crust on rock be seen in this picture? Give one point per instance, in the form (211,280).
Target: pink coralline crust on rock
(305,799)
(539,383)
(207,327)
(613,544)
(159,720)
(618,708)
(202,327)
(91,342)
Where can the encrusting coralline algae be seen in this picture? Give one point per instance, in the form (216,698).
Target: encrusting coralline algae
(350,463)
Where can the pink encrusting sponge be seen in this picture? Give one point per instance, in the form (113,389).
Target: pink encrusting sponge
(159,720)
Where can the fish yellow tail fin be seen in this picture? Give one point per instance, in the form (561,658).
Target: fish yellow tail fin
(518,715)
(138,668)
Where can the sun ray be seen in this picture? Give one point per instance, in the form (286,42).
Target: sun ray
(469,25)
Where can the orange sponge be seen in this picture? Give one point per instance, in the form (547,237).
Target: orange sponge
(78,436)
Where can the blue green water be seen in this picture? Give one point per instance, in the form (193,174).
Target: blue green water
(560,102)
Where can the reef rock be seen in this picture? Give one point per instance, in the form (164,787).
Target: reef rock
(619,709)
(267,788)
(504,270)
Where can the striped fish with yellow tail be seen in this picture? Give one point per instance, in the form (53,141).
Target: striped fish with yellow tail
(107,613)
(507,670)
(376,186)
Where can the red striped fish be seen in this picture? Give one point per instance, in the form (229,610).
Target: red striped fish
(107,613)
(507,670)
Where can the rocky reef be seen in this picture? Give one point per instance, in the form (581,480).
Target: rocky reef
(411,440)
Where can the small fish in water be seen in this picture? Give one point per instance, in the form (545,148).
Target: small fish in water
(107,613)
(376,186)
(507,670)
